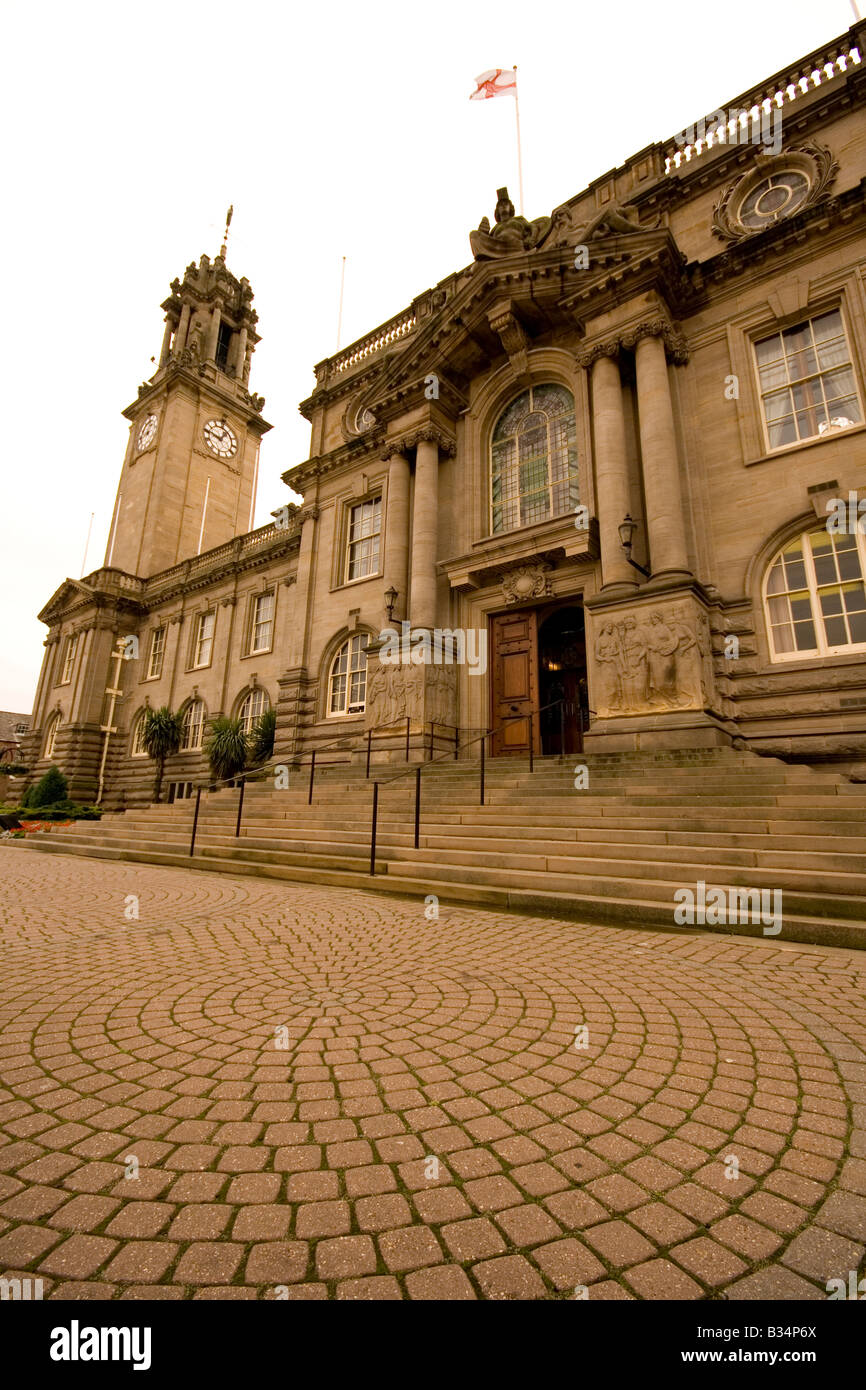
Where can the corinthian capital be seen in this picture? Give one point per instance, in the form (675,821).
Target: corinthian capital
(427,434)
(609,348)
(658,327)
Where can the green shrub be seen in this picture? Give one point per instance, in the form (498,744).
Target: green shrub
(62,810)
(226,748)
(163,731)
(49,789)
(261,740)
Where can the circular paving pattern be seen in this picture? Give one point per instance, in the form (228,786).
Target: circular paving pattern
(268,1090)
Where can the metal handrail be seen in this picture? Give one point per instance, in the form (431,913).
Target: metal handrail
(256,773)
(482,737)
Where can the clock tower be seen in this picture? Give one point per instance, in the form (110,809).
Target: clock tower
(189,476)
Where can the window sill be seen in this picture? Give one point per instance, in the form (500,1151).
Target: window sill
(817,663)
(353,583)
(262,651)
(802,444)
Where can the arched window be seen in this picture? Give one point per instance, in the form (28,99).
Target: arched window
(193,726)
(51,736)
(814,596)
(253,705)
(533,459)
(347,685)
(136,745)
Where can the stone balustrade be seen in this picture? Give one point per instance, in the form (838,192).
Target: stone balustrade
(822,66)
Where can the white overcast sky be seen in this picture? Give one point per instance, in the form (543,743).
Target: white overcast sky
(339,128)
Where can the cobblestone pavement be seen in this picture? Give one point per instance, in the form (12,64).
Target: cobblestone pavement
(428,1128)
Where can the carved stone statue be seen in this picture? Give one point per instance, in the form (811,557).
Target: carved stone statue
(509,232)
(612,220)
(195,340)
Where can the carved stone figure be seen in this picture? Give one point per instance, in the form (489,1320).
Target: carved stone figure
(195,340)
(664,644)
(612,220)
(376,691)
(509,232)
(441,690)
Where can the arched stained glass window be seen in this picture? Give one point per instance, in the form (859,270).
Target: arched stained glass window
(533,459)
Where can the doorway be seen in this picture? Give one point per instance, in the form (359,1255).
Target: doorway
(514,683)
(562,676)
(538,656)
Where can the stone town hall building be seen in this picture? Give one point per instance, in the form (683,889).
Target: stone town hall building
(675,358)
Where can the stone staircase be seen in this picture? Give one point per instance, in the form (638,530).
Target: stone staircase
(646,825)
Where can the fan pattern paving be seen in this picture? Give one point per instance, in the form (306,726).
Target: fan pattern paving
(268,1090)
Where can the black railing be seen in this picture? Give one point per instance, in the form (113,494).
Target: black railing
(428,730)
(428,737)
(482,738)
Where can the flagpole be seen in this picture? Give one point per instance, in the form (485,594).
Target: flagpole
(340,315)
(519,154)
(87,546)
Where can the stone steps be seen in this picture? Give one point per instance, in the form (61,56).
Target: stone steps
(712,819)
(513,866)
(774,851)
(616,852)
(626,909)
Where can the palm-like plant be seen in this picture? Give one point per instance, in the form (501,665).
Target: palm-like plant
(161,738)
(261,739)
(226,748)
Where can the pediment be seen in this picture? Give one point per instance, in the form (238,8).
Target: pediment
(71,594)
(502,306)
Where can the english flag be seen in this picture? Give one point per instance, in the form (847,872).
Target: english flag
(498,82)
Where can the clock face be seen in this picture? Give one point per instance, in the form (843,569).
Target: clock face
(220,438)
(147,431)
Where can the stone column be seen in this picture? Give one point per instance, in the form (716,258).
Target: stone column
(396,566)
(298,641)
(170,325)
(425,518)
(183,329)
(664,501)
(214,333)
(240,353)
(611,467)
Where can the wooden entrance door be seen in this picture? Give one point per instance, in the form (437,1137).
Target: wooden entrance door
(514,681)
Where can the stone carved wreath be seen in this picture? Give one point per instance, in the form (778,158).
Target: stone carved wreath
(776,187)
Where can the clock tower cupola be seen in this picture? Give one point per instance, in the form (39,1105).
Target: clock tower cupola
(189,475)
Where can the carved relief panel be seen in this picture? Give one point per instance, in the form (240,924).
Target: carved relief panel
(650,659)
